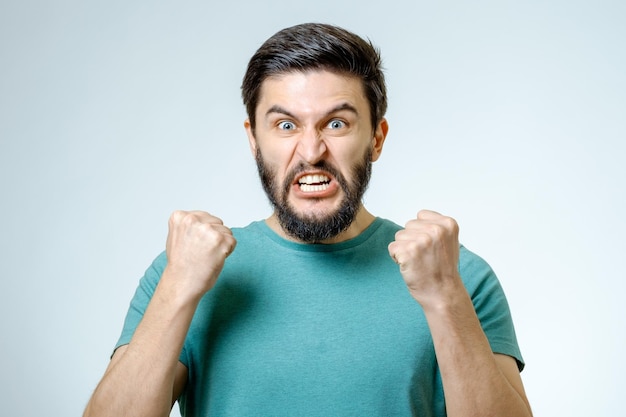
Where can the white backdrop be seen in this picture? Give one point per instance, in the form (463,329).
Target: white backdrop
(509,116)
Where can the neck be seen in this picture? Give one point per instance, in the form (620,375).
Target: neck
(362,221)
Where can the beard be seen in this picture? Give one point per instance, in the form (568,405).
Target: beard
(312,228)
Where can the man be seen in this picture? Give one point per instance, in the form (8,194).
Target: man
(322,309)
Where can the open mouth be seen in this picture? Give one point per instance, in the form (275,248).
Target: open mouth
(313,183)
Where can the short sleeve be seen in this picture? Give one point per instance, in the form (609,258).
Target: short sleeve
(139,302)
(491,305)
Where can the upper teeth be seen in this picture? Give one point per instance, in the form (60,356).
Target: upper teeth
(313,179)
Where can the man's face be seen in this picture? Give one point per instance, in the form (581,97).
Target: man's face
(314,145)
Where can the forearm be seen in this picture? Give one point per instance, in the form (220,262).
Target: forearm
(474,384)
(139,382)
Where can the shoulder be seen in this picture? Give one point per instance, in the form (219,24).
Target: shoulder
(478,276)
(253,229)
(470,262)
(481,281)
(388,225)
(385,228)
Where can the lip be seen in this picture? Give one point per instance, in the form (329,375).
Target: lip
(315,185)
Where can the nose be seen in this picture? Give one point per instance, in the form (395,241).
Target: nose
(311,146)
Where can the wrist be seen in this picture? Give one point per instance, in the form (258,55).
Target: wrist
(178,288)
(444,298)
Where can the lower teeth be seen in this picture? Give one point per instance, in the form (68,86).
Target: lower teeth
(313,187)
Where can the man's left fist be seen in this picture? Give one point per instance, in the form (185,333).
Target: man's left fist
(427,251)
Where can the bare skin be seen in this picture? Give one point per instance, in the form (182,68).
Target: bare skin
(305,118)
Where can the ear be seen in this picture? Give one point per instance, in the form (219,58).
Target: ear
(251,138)
(379,139)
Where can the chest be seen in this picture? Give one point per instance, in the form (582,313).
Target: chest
(311,334)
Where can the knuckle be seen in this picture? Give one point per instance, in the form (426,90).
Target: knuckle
(176,214)
(450,223)
(189,219)
(425,240)
(410,223)
(437,231)
(415,246)
(176,218)
(207,229)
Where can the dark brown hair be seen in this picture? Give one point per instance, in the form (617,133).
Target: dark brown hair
(315,46)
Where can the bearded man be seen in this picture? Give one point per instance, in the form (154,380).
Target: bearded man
(322,309)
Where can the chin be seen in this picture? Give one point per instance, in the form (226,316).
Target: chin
(316,211)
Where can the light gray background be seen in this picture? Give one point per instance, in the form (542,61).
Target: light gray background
(509,116)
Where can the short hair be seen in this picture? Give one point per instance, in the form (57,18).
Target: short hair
(316,46)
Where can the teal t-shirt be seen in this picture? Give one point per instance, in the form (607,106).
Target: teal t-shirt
(295,329)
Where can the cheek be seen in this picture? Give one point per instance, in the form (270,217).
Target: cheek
(276,162)
(280,153)
(352,155)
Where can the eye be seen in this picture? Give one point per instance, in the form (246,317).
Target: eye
(286,125)
(336,124)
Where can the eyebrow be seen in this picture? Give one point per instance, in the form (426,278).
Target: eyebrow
(341,107)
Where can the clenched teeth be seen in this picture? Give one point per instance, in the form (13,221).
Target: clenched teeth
(311,188)
(314,179)
(311,183)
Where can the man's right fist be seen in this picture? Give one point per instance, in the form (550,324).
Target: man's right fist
(197,246)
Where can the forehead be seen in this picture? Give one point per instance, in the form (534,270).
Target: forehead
(311,91)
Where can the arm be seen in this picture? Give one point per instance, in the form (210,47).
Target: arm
(145,377)
(476,381)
